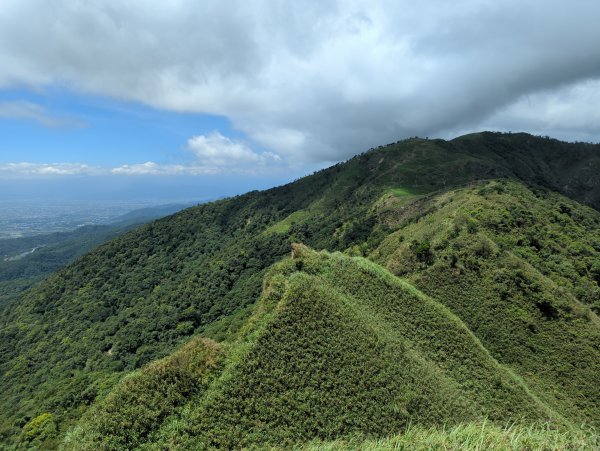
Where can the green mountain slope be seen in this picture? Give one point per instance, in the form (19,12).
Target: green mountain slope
(337,346)
(136,298)
(143,400)
(27,260)
(520,267)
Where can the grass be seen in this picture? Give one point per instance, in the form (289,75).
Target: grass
(470,436)
(516,265)
(284,225)
(340,350)
(399,192)
(140,403)
(337,347)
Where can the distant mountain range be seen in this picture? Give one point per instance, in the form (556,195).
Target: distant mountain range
(426,287)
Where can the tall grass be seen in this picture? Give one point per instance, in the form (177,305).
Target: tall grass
(471,436)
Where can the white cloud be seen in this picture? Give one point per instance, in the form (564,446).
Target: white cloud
(216,150)
(570,112)
(37,169)
(26,169)
(148,168)
(152,168)
(214,154)
(312,80)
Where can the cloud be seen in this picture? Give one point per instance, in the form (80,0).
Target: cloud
(34,112)
(148,168)
(570,112)
(32,170)
(42,169)
(216,150)
(214,154)
(152,168)
(318,81)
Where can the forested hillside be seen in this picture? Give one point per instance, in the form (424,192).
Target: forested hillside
(27,260)
(476,230)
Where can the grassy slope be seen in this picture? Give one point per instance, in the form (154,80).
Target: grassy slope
(517,265)
(337,335)
(142,401)
(337,347)
(136,298)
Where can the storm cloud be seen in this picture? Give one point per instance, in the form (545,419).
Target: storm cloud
(320,81)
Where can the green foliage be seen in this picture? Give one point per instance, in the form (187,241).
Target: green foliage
(523,283)
(422,251)
(339,348)
(39,432)
(143,400)
(19,272)
(67,341)
(595,271)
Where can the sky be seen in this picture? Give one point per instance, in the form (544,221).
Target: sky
(188,100)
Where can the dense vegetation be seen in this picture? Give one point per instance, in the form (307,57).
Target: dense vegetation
(337,347)
(520,267)
(20,268)
(144,399)
(348,349)
(514,261)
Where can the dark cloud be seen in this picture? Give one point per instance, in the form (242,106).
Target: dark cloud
(323,80)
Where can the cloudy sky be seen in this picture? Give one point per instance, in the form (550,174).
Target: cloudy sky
(241,95)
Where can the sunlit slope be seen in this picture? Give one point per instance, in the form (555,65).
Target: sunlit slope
(338,346)
(521,268)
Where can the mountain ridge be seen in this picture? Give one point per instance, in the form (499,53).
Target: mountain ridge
(135,299)
(295,362)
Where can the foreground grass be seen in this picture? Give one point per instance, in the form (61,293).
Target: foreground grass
(471,436)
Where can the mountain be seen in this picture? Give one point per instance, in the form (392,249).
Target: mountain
(336,346)
(146,214)
(467,291)
(25,261)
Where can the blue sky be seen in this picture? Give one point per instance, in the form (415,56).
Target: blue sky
(190,100)
(97,130)
(56,127)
